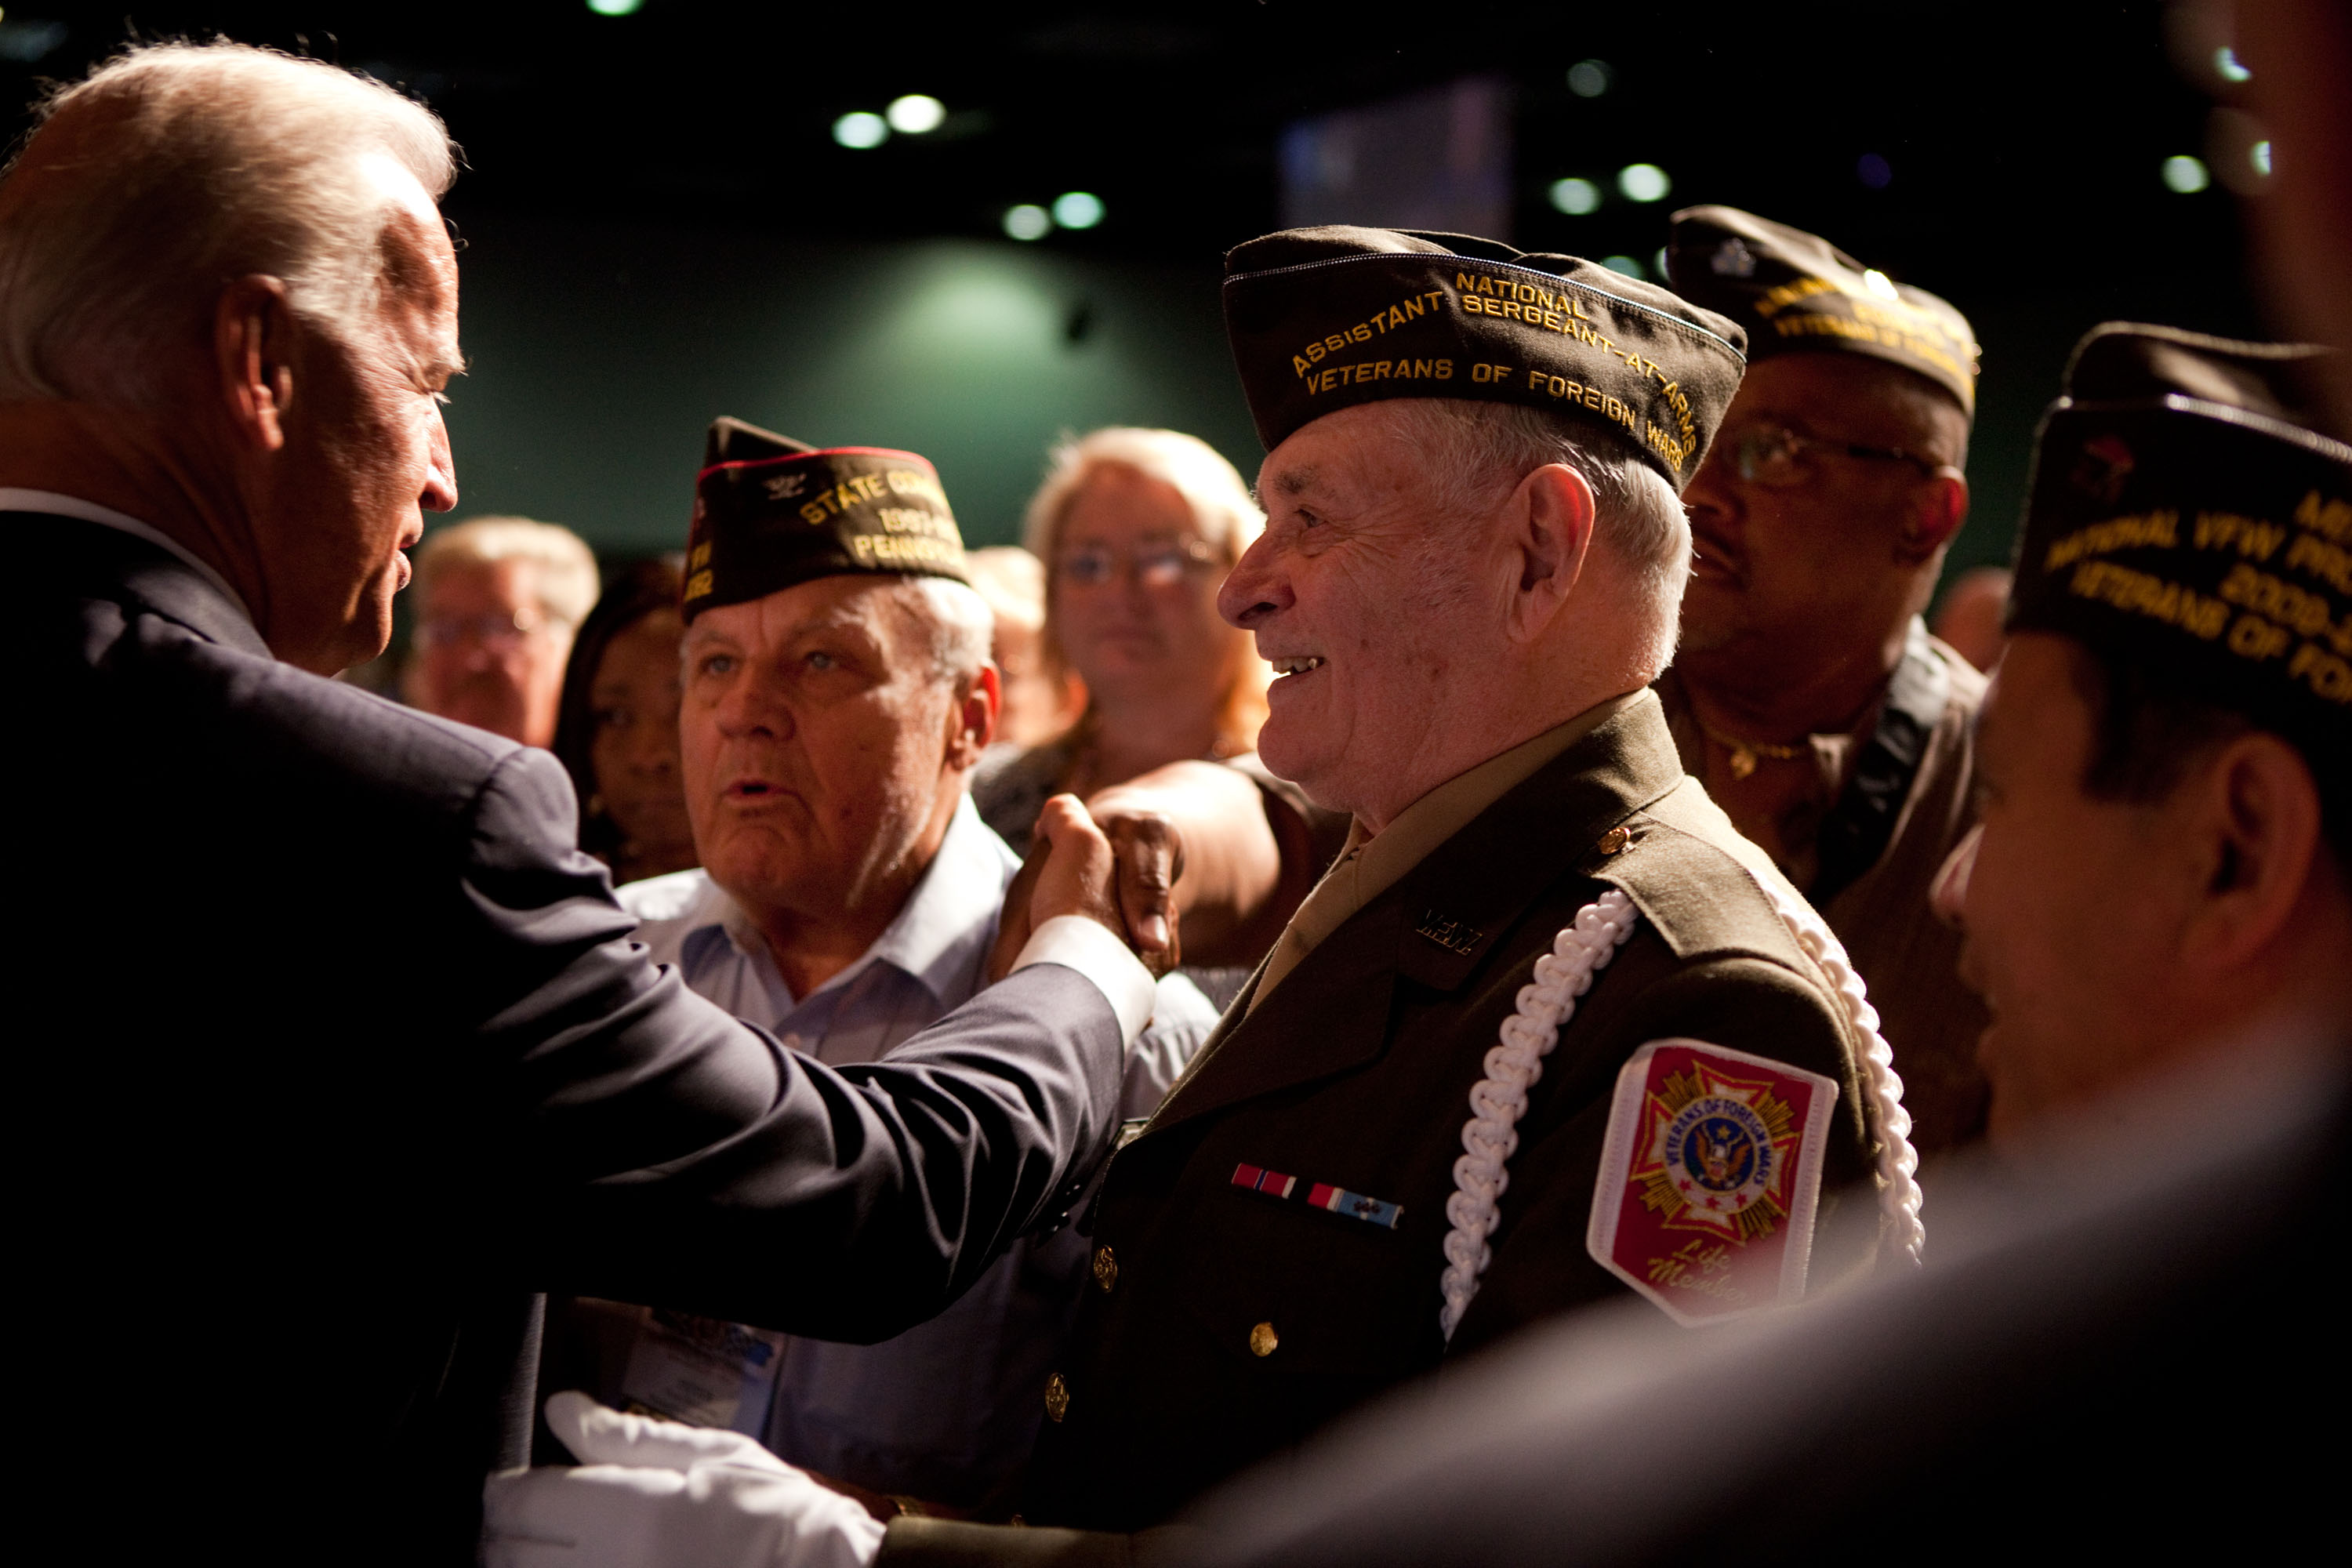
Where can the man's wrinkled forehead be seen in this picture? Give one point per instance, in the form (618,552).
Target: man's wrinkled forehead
(859,605)
(420,262)
(1326,458)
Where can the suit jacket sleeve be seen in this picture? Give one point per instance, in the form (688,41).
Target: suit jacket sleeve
(659,1150)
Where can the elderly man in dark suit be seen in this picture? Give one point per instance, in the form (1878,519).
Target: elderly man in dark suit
(349,1051)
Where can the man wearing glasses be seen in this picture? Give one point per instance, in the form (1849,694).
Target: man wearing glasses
(1807,694)
(498,599)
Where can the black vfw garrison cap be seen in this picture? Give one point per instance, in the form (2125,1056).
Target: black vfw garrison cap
(1324,319)
(2183,512)
(770,512)
(1796,291)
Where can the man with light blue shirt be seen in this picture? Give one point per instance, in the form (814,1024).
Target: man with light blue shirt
(838,690)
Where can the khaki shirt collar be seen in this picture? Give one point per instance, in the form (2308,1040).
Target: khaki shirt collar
(1372,863)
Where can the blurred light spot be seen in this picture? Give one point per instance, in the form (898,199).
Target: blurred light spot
(1875,172)
(28,40)
(2226,65)
(1590,78)
(861,129)
(617,7)
(2259,155)
(1658,264)
(914,113)
(1078,209)
(1625,264)
(1879,283)
(1643,182)
(1028,221)
(2186,174)
(1575,197)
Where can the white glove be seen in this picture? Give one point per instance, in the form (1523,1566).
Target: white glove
(655,1494)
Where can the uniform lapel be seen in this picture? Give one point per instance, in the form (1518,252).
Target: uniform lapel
(1436,926)
(1461,900)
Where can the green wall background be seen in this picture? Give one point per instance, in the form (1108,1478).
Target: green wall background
(602,351)
(599,354)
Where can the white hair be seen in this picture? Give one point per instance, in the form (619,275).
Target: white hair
(563,575)
(1476,453)
(174,169)
(961,626)
(1220,501)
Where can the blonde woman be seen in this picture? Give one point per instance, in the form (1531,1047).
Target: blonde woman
(1137,530)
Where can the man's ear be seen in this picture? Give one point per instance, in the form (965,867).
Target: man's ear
(975,718)
(2258,812)
(254,333)
(1939,504)
(1550,529)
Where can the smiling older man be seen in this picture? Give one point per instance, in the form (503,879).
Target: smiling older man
(1372,1169)
(2157,908)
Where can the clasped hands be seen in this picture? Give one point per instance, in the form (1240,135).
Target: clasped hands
(1186,842)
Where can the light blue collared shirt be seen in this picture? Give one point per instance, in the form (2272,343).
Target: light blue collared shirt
(928,961)
(948,1410)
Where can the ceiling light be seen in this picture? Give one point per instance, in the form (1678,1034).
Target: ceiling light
(1590,78)
(2186,175)
(1078,209)
(1575,197)
(1643,182)
(861,130)
(914,113)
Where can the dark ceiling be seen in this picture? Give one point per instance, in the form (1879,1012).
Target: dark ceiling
(2017,139)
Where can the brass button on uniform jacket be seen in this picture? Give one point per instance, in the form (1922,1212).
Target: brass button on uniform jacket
(1237,1319)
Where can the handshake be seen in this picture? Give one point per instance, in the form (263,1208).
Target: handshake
(1191,847)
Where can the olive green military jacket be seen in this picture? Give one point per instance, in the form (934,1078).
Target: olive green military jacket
(1224,1324)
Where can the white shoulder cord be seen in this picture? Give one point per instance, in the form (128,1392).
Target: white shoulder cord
(1500,1099)
(1900,1233)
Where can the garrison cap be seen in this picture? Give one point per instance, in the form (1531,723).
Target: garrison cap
(770,512)
(1794,290)
(2183,511)
(1324,319)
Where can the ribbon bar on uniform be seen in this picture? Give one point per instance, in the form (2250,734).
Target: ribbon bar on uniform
(1356,1205)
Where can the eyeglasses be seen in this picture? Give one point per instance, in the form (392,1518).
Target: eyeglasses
(1775,455)
(499,631)
(1157,562)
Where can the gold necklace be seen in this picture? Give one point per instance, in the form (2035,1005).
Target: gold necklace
(1745,752)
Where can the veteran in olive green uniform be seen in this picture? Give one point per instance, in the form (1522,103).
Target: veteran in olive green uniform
(1468,579)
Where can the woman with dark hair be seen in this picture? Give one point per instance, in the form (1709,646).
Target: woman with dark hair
(616,729)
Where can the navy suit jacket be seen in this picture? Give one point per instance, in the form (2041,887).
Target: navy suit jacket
(335,1051)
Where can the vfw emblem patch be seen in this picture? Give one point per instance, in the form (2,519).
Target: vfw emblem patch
(1709,1179)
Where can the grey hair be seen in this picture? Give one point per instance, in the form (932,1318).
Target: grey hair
(564,576)
(958,622)
(1476,453)
(1218,496)
(172,170)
